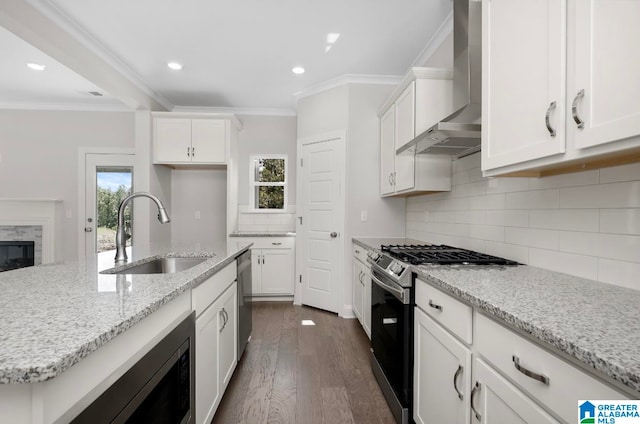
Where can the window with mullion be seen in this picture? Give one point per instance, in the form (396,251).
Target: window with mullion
(268,182)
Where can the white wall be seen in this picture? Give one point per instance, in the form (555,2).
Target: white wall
(270,135)
(442,57)
(39,158)
(585,224)
(201,190)
(353,107)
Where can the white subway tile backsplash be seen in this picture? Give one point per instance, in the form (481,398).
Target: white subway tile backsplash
(622,247)
(585,224)
(568,263)
(490,201)
(532,237)
(630,172)
(487,232)
(507,218)
(579,242)
(537,199)
(513,252)
(614,195)
(566,219)
(507,185)
(620,221)
(620,273)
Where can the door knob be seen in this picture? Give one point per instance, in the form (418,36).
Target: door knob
(333,234)
(88,229)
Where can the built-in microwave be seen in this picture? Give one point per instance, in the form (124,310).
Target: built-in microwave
(158,389)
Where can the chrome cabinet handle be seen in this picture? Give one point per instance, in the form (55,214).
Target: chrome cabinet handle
(455,378)
(333,234)
(434,306)
(551,108)
(574,109)
(391,178)
(188,152)
(276,244)
(394,178)
(193,151)
(223,321)
(476,389)
(538,377)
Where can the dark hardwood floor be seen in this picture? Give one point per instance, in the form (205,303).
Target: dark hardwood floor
(292,373)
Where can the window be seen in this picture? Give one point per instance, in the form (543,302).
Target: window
(268,182)
(112,185)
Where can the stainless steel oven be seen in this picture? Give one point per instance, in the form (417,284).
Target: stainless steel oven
(158,389)
(392,333)
(392,306)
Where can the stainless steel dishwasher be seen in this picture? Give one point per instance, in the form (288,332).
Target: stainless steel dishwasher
(244,301)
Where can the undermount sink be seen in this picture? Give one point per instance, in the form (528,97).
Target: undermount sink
(160,266)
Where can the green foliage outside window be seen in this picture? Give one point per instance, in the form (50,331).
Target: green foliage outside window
(108,203)
(270,179)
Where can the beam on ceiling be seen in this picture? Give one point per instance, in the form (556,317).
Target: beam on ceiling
(46,33)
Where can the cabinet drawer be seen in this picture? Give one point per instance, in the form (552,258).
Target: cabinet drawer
(360,253)
(272,242)
(566,383)
(445,309)
(209,290)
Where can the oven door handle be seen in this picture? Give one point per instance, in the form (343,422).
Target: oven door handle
(397,293)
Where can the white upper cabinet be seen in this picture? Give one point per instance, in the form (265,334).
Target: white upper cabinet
(607,65)
(523,69)
(560,88)
(421,100)
(185,140)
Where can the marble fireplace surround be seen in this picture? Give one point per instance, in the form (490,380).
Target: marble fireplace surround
(30,220)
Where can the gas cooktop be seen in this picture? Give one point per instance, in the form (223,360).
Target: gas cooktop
(440,254)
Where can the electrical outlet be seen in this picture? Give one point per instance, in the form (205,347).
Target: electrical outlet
(363,216)
(197,214)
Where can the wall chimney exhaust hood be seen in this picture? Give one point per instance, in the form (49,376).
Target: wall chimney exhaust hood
(459,133)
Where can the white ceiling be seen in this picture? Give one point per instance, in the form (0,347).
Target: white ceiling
(237,54)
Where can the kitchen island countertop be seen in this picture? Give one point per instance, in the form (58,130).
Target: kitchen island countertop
(55,315)
(593,323)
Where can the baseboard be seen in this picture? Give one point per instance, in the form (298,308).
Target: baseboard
(272,299)
(347,312)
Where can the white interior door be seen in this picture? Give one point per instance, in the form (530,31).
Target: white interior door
(320,233)
(109,172)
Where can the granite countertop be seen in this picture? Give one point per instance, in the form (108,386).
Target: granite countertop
(594,323)
(262,234)
(55,315)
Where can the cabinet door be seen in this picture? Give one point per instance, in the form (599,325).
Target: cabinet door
(172,140)
(523,80)
(405,131)
(387,151)
(277,271)
(606,70)
(209,140)
(358,290)
(256,271)
(207,343)
(442,374)
(497,401)
(366,304)
(228,335)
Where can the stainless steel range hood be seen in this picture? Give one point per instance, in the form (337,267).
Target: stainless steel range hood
(459,133)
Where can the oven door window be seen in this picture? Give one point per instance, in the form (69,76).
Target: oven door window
(391,340)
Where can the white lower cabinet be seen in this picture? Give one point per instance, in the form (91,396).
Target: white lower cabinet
(216,357)
(361,288)
(496,401)
(515,380)
(442,374)
(272,265)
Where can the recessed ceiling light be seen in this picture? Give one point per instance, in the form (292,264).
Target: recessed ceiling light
(332,37)
(298,70)
(36,66)
(175,66)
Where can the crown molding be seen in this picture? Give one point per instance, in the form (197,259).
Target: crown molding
(69,107)
(236,110)
(348,79)
(66,23)
(434,43)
